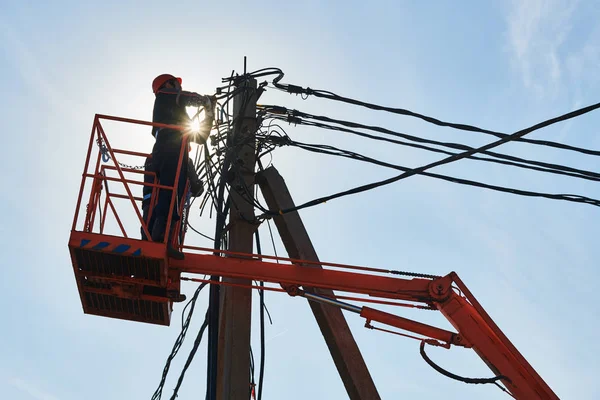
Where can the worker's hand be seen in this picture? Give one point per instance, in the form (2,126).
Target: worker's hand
(198,99)
(210,101)
(206,101)
(199,190)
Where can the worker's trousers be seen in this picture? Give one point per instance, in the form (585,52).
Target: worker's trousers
(165,157)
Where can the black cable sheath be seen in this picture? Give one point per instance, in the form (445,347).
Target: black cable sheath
(332,96)
(519,162)
(188,362)
(214,297)
(179,341)
(261,294)
(214,294)
(446,160)
(449,374)
(296,118)
(330,150)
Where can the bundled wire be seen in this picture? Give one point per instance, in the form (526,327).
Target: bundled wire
(213,308)
(293,89)
(212,171)
(452,158)
(185,324)
(334,151)
(220,171)
(230,151)
(300,118)
(207,170)
(188,362)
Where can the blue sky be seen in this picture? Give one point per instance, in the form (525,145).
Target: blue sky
(502,65)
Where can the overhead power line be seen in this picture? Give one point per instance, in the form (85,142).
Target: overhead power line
(330,150)
(293,89)
(300,118)
(446,160)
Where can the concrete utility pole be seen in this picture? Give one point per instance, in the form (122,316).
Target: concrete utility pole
(342,346)
(236,302)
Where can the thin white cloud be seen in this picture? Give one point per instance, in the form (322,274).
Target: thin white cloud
(536,31)
(31,390)
(582,64)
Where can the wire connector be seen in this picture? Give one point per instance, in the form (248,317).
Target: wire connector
(293,89)
(294,120)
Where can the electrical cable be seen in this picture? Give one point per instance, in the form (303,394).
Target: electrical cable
(261,294)
(285,140)
(255,74)
(296,117)
(190,357)
(267,144)
(293,89)
(252,381)
(443,161)
(199,233)
(179,341)
(475,381)
(191,304)
(214,297)
(330,150)
(243,189)
(212,189)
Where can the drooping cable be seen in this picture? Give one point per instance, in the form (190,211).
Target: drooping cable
(300,118)
(199,233)
(261,294)
(179,341)
(443,161)
(252,381)
(476,381)
(190,357)
(214,295)
(330,150)
(293,89)
(214,298)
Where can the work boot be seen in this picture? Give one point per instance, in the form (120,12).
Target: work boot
(175,296)
(172,251)
(158,235)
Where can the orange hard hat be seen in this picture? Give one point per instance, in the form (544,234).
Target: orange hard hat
(161,80)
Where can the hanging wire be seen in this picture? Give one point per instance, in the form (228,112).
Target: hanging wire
(293,89)
(447,160)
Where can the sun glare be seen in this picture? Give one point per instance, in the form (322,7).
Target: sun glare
(196,118)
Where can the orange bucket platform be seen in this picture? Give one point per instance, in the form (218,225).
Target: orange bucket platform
(117,274)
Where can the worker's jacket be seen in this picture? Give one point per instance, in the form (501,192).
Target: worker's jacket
(169,108)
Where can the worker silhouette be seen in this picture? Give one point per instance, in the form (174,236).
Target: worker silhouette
(170,108)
